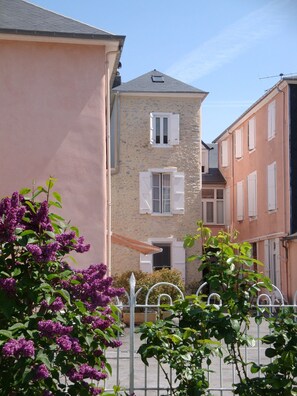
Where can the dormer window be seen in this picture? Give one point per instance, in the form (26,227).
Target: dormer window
(158,79)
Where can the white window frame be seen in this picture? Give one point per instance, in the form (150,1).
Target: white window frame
(178,255)
(177,191)
(240,201)
(205,160)
(224,154)
(214,201)
(252,194)
(271,128)
(252,134)
(172,129)
(238,143)
(271,187)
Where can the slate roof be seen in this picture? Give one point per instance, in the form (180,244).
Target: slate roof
(213,176)
(167,84)
(21,17)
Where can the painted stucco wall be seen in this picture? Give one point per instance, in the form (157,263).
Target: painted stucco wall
(267,224)
(52,123)
(136,154)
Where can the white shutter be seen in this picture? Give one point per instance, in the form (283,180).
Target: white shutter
(145,192)
(238,143)
(178,195)
(146,263)
(252,130)
(227,207)
(252,194)
(271,186)
(224,152)
(179,258)
(239,200)
(152,135)
(174,129)
(271,120)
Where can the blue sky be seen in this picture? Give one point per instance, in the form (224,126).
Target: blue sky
(224,47)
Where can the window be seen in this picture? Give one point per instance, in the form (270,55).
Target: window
(161,191)
(238,143)
(252,194)
(213,210)
(224,153)
(272,260)
(239,201)
(252,134)
(271,186)
(173,256)
(163,259)
(204,167)
(164,129)
(271,120)
(158,79)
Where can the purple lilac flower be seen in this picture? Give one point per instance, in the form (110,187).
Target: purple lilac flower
(98,323)
(8,285)
(40,220)
(81,247)
(67,343)
(49,329)
(56,306)
(44,253)
(41,372)
(11,214)
(95,391)
(85,371)
(17,348)
(34,250)
(47,393)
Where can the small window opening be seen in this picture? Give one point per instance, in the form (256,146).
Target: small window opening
(158,79)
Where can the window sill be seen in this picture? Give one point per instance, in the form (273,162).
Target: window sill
(162,145)
(162,214)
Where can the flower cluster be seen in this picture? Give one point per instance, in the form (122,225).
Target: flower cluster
(50,329)
(67,343)
(91,287)
(40,220)
(97,322)
(41,372)
(85,371)
(11,214)
(56,306)
(8,285)
(18,348)
(67,242)
(44,253)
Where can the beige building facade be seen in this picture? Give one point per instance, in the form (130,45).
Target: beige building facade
(156,180)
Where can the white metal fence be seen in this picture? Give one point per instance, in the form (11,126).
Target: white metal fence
(136,379)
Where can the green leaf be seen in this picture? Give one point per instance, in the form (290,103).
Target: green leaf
(18,326)
(65,294)
(56,204)
(28,232)
(43,358)
(50,234)
(31,206)
(57,196)
(25,191)
(255,368)
(76,230)
(6,333)
(270,352)
(81,306)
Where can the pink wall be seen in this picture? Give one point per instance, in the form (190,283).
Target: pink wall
(52,123)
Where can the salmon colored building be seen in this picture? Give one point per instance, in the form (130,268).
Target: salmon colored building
(257,158)
(55,76)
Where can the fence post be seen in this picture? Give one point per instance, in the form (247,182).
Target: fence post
(132,321)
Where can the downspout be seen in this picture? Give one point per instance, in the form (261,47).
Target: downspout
(107,83)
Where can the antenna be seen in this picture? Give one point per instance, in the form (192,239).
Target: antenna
(281,75)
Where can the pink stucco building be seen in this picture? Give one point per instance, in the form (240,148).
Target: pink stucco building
(257,158)
(55,75)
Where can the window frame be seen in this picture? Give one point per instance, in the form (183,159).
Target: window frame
(252,134)
(172,131)
(252,195)
(214,201)
(272,187)
(271,122)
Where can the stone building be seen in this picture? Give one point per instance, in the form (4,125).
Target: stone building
(156,170)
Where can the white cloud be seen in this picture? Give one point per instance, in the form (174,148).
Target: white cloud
(231,42)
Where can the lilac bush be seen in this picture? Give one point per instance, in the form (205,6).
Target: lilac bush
(55,322)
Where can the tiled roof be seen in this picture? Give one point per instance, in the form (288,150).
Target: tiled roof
(213,176)
(21,17)
(157,82)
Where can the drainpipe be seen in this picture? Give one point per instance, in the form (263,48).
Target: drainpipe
(107,83)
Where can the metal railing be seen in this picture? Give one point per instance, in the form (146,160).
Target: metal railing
(137,379)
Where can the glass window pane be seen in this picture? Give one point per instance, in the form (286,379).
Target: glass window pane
(209,212)
(220,212)
(208,193)
(157,129)
(165,130)
(220,194)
